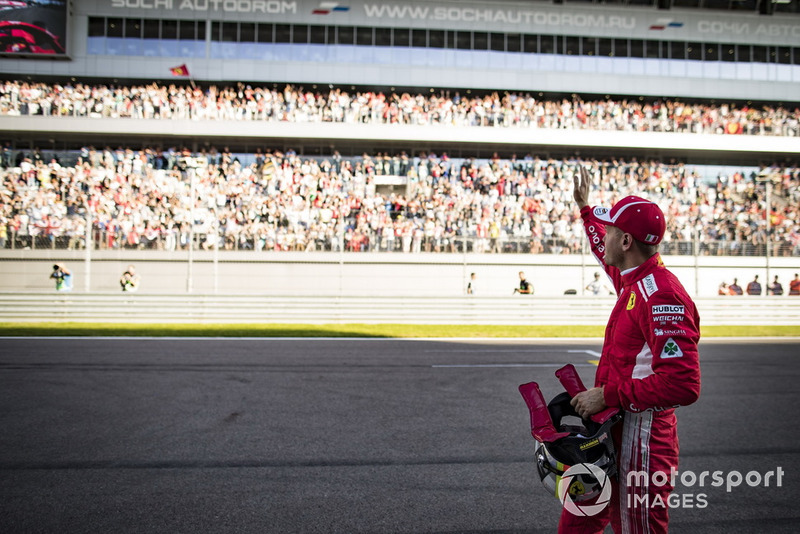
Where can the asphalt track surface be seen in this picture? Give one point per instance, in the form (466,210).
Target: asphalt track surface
(348,436)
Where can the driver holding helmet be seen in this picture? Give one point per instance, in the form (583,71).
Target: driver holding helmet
(649,364)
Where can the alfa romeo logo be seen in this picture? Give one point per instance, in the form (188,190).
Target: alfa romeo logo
(570,484)
(671,348)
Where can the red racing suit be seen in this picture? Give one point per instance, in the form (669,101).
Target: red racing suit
(649,366)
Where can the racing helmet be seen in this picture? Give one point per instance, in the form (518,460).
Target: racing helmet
(583,441)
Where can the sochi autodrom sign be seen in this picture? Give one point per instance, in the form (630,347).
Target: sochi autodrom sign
(566,482)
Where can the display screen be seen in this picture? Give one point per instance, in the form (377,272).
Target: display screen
(33,27)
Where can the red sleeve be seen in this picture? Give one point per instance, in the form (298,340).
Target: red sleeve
(672,331)
(596,232)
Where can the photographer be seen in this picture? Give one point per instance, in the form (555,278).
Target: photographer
(62,276)
(129,281)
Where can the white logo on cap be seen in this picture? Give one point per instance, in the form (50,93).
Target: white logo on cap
(600,211)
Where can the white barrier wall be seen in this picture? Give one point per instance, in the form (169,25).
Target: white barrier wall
(265,309)
(358,274)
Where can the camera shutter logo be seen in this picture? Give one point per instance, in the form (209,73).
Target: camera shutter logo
(570,478)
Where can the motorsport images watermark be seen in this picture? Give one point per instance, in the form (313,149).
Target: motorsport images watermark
(690,479)
(581,474)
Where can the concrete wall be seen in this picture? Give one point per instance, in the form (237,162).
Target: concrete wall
(724,146)
(356,274)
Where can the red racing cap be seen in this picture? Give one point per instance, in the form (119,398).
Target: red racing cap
(641,218)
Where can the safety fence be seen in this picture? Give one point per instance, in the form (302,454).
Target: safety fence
(176,240)
(265,309)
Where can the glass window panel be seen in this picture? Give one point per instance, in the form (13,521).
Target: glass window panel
(168,48)
(283,33)
(760,53)
(230,32)
(401,37)
(450,38)
(605,47)
(655,49)
(711,51)
(677,50)
(150,48)
(419,38)
(300,34)
(169,29)
(589,46)
(247,32)
(201,30)
(317,34)
(186,48)
(264,32)
(558,47)
(133,46)
(637,48)
(572,46)
(728,52)
(186,30)
(546,44)
(97,27)
(383,37)
(621,48)
(115,46)
(216,29)
(530,43)
(133,28)
(513,42)
(772,54)
(364,36)
(786,7)
(464,40)
(345,35)
(694,51)
(497,42)
(743,54)
(784,55)
(436,39)
(114,27)
(796,56)
(150,29)
(480,41)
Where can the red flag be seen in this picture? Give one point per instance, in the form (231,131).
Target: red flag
(182,70)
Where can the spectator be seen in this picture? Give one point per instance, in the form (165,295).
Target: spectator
(291,203)
(296,104)
(129,281)
(598,286)
(775,288)
(525,287)
(723,289)
(734,288)
(754,287)
(471,284)
(794,285)
(62,276)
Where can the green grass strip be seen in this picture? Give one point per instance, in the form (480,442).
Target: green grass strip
(350,330)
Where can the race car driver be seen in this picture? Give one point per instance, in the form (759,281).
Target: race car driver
(649,364)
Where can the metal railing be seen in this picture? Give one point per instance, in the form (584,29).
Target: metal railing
(174,240)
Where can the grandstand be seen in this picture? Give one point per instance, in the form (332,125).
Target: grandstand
(413,127)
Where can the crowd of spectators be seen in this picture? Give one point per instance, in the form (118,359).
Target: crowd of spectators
(298,104)
(153,199)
